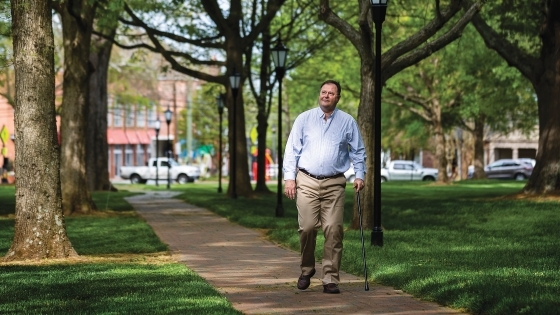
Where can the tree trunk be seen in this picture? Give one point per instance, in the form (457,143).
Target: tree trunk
(546,174)
(478,135)
(39,231)
(544,73)
(262,126)
(262,115)
(366,124)
(97,164)
(441,153)
(241,168)
(76,197)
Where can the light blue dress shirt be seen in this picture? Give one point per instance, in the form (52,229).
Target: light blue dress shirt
(324,148)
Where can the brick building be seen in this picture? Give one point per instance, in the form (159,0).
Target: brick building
(131,133)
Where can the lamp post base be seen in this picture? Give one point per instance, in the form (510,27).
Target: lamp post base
(279,210)
(377,237)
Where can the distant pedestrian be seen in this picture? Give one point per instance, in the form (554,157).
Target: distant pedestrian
(321,145)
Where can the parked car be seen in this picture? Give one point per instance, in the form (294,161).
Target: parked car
(407,170)
(180,173)
(527,160)
(509,169)
(400,170)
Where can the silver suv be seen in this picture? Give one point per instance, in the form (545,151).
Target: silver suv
(509,169)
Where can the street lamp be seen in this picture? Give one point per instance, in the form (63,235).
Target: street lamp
(168,113)
(158,126)
(234,80)
(220,101)
(279,54)
(378,11)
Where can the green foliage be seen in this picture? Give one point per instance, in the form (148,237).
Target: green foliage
(205,117)
(133,78)
(5,19)
(491,88)
(487,86)
(461,245)
(337,60)
(517,21)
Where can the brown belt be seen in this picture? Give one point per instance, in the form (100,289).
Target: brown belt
(320,177)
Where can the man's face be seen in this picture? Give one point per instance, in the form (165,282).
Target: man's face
(328,97)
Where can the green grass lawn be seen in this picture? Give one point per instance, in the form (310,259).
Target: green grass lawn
(124,269)
(461,245)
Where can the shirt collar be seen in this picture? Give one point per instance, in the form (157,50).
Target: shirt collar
(322,114)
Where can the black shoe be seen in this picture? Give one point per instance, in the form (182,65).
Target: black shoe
(331,288)
(304,281)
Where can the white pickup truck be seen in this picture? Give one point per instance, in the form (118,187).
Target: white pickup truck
(407,170)
(180,173)
(401,170)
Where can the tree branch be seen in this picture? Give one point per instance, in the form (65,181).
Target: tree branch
(202,42)
(429,48)
(329,17)
(169,57)
(424,34)
(187,56)
(529,66)
(422,114)
(412,98)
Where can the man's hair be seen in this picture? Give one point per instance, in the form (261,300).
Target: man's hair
(339,89)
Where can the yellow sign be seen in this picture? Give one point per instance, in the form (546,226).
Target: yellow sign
(254,134)
(4,134)
(4,151)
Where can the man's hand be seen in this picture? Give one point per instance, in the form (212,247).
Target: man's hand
(290,188)
(358,184)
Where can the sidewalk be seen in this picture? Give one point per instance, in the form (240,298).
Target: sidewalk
(257,276)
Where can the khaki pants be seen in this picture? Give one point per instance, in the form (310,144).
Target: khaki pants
(320,203)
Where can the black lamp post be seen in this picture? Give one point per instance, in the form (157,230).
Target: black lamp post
(234,80)
(279,54)
(158,126)
(220,101)
(378,11)
(168,114)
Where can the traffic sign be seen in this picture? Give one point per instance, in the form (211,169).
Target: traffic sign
(4,134)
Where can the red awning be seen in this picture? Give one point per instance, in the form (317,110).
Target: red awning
(116,136)
(143,137)
(132,137)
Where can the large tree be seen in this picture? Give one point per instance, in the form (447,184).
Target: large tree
(432,36)
(203,34)
(528,38)
(97,164)
(39,225)
(77,24)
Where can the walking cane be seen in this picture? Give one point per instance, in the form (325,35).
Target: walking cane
(362,234)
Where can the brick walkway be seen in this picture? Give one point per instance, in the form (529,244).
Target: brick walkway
(257,276)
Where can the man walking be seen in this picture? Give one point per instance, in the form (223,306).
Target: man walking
(322,144)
